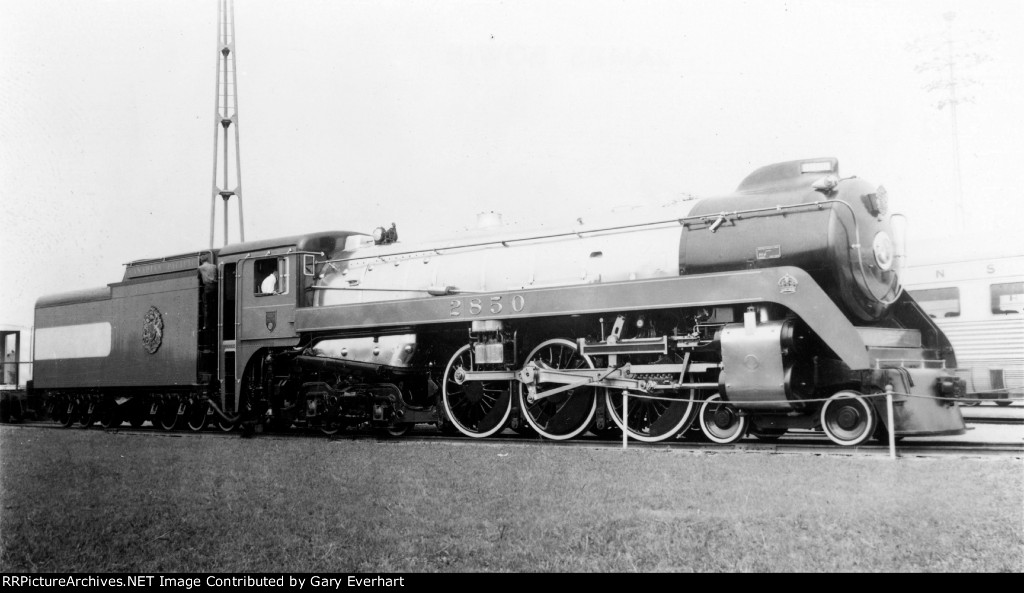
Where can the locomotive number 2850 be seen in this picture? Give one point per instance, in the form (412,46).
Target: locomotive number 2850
(492,305)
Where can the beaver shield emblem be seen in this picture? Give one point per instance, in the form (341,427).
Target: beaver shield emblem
(271,320)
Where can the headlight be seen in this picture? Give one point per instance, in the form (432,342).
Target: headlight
(884,253)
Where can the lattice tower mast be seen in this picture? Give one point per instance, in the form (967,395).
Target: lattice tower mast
(225,119)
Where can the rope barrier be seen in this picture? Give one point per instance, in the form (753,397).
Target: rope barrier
(824,399)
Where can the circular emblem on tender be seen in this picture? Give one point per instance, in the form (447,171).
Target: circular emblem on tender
(152,330)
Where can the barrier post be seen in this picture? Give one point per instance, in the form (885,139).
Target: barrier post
(625,419)
(890,425)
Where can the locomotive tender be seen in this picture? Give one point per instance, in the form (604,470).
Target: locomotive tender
(777,306)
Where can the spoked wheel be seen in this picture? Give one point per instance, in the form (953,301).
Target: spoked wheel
(650,420)
(111,417)
(720,422)
(477,409)
(197,416)
(167,415)
(566,414)
(848,419)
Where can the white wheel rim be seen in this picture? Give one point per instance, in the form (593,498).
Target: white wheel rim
(448,410)
(610,399)
(848,437)
(523,392)
(711,429)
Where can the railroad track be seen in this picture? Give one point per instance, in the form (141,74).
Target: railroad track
(795,443)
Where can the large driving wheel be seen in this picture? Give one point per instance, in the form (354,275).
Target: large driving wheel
(651,420)
(477,409)
(720,422)
(566,414)
(848,419)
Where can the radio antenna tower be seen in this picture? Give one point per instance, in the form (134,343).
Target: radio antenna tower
(226,117)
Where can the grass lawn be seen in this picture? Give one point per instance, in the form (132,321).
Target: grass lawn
(85,500)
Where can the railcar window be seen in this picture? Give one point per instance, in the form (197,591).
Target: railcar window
(1007,298)
(939,302)
(271,276)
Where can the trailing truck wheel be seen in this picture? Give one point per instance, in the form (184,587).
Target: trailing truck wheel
(477,409)
(719,421)
(564,415)
(651,420)
(848,419)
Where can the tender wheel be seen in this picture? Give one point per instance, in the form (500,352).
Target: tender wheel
(477,409)
(139,414)
(197,416)
(167,415)
(651,420)
(64,413)
(720,422)
(1004,402)
(86,417)
(226,425)
(111,417)
(848,419)
(566,414)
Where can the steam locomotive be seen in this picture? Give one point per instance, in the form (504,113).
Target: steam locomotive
(775,307)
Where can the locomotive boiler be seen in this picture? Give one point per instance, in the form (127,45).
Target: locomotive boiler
(775,307)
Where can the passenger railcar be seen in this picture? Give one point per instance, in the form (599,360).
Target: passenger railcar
(975,293)
(777,306)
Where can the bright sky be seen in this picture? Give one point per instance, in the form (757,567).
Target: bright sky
(356,114)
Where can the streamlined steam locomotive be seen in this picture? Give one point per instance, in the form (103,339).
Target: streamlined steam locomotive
(775,307)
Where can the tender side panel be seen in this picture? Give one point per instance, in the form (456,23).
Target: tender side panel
(107,342)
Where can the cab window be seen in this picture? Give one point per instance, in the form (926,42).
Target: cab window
(1007,298)
(939,302)
(271,275)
